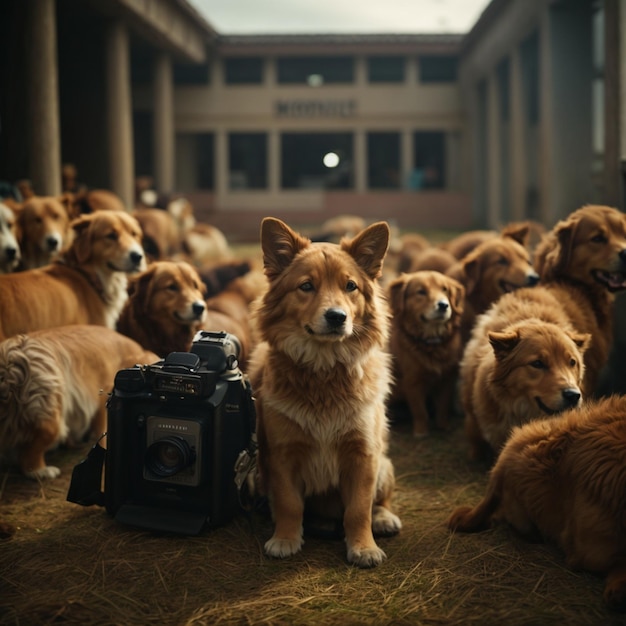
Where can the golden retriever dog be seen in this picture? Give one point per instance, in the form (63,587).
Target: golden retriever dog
(432,258)
(321,376)
(426,343)
(165,307)
(498,265)
(565,478)
(517,368)
(43,230)
(465,242)
(53,389)
(206,245)
(160,233)
(9,248)
(409,246)
(86,285)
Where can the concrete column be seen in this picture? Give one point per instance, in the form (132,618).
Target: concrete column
(44,148)
(221,165)
(519,183)
(406,156)
(119,112)
(360,161)
(163,123)
(494,188)
(547,212)
(274,161)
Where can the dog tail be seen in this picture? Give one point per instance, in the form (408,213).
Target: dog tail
(469,519)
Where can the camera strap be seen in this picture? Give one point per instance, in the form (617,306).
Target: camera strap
(86,483)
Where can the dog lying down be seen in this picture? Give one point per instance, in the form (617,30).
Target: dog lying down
(53,389)
(565,477)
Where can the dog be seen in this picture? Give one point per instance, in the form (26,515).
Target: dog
(10,255)
(517,368)
(165,307)
(498,265)
(206,245)
(53,389)
(160,233)
(564,478)
(43,230)
(86,285)
(425,343)
(321,376)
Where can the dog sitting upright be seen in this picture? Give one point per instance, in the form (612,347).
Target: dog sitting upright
(321,376)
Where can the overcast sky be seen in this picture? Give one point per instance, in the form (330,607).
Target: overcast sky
(340,16)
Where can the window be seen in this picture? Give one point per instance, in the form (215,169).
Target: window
(438,69)
(195,161)
(428,160)
(385,69)
(315,70)
(317,161)
(247,160)
(188,74)
(243,71)
(383,159)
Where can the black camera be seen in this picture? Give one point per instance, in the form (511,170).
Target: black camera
(179,439)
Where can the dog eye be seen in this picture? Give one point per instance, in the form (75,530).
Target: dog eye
(503,261)
(422,292)
(538,364)
(307,286)
(113,236)
(600,238)
(573,362)
(351,286)
(172,287)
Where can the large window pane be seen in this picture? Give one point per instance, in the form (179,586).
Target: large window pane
(244,70)
(383,158)
(428,160)
(247,160)
(317,161)
(385,69)
(315,70)
(438,69)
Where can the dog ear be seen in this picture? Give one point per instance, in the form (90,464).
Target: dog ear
(457,296)
(369,248)
(517,231)
(553,253)
(82,239)
(396,291)
(140,288)
(503,342)
(471,269)
(280,245)
(582,340)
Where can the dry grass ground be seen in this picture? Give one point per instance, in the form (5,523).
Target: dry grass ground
(67,564)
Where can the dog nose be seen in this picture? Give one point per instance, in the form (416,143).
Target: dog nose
(622,255)
(570,397)
(198,308)
(52,243)
(532,279)
(335,317)
(442,306)
(10,253)
(136,257)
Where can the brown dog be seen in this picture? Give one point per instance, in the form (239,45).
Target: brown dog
(426,343)
(165,307)
(9,248)
(498,265)
(53,388)
(43,230)
(321,376)
(87,285)
(565,478)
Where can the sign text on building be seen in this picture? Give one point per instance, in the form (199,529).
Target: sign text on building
(315,108)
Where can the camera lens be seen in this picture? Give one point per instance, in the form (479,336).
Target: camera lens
(168,456)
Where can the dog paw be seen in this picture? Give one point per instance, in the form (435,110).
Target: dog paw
(46,472)
(366,557)
(460,519)
(384,522)
(280,548)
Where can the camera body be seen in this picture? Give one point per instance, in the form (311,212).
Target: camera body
(175,431)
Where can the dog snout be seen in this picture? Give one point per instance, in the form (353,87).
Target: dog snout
(10,253)
(443,306)
(52,243)
(136,257)
(622,256)
(571,397)
(198,308)
(532,279)
(335,317)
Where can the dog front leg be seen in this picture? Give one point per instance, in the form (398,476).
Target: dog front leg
(357,485)
(287,502)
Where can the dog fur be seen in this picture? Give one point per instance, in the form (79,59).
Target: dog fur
(165,307)
(565,478)
(86,285)
(425,342)
(53,389)
(43,230)
(321,376)
(9,248)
